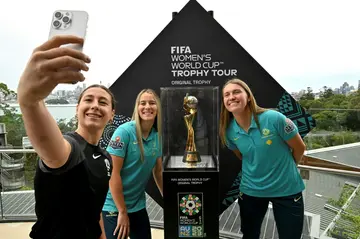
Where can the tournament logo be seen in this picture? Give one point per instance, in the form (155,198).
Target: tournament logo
(190,205)
(191,215)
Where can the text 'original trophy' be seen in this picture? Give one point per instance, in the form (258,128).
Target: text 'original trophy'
(190,107)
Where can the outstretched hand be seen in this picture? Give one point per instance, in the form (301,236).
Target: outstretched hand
(50,65)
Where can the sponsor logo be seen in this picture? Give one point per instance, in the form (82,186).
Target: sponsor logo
(265,131)
(116,144)
(96,156)
(297,199)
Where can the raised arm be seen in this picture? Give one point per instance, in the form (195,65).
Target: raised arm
(48,66)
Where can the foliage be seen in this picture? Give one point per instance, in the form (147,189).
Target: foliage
(330,139)
(5,91)
(348,226)
(309,95)
(67,126)
(327,92)
(344,196)
(23,188)
(30,167)
(14,125)
(337,117)
(333,112)
(16,131)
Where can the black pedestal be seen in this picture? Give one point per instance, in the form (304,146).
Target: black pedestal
(191,198)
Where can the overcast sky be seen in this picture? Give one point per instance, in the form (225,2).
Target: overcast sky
(300,43)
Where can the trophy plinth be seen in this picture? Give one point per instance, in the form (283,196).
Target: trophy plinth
(190,162)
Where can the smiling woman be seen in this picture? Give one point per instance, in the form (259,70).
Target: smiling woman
(136,150)
(73,172)
(269,146)
(90,118)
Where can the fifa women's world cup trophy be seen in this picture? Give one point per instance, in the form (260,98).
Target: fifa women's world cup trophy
(190,107)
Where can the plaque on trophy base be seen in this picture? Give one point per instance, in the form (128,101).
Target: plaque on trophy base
(176,162)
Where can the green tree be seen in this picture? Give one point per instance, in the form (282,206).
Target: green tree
(13,121)
(353,120)
(309,95)
(326,120)
(16,131)
(5,91)
(14,126)
(67,126)
(326,93)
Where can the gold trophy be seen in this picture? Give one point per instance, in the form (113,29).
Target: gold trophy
(190,107)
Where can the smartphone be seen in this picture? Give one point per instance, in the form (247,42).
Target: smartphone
(68,22)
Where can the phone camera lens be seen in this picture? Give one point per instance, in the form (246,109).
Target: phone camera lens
(66,19)
(56,24)
(58,15)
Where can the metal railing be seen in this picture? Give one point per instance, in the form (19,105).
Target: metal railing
(156,223)
(305,167)
(330,170)
(6,156)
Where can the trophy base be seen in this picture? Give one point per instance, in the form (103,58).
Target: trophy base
(191,157)
(175,162)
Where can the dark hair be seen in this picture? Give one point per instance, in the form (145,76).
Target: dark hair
(113,101)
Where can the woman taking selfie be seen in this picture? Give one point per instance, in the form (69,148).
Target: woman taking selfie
(73,172)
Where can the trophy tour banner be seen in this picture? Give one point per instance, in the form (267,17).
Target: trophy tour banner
(194,50)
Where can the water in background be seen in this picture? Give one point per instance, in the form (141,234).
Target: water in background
(57,111)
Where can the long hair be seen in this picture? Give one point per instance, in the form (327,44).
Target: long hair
(225,115)
(157,123)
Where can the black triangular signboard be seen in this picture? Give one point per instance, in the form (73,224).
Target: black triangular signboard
(195,50)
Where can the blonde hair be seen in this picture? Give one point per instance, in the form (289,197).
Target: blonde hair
(225,115)
(137,119)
